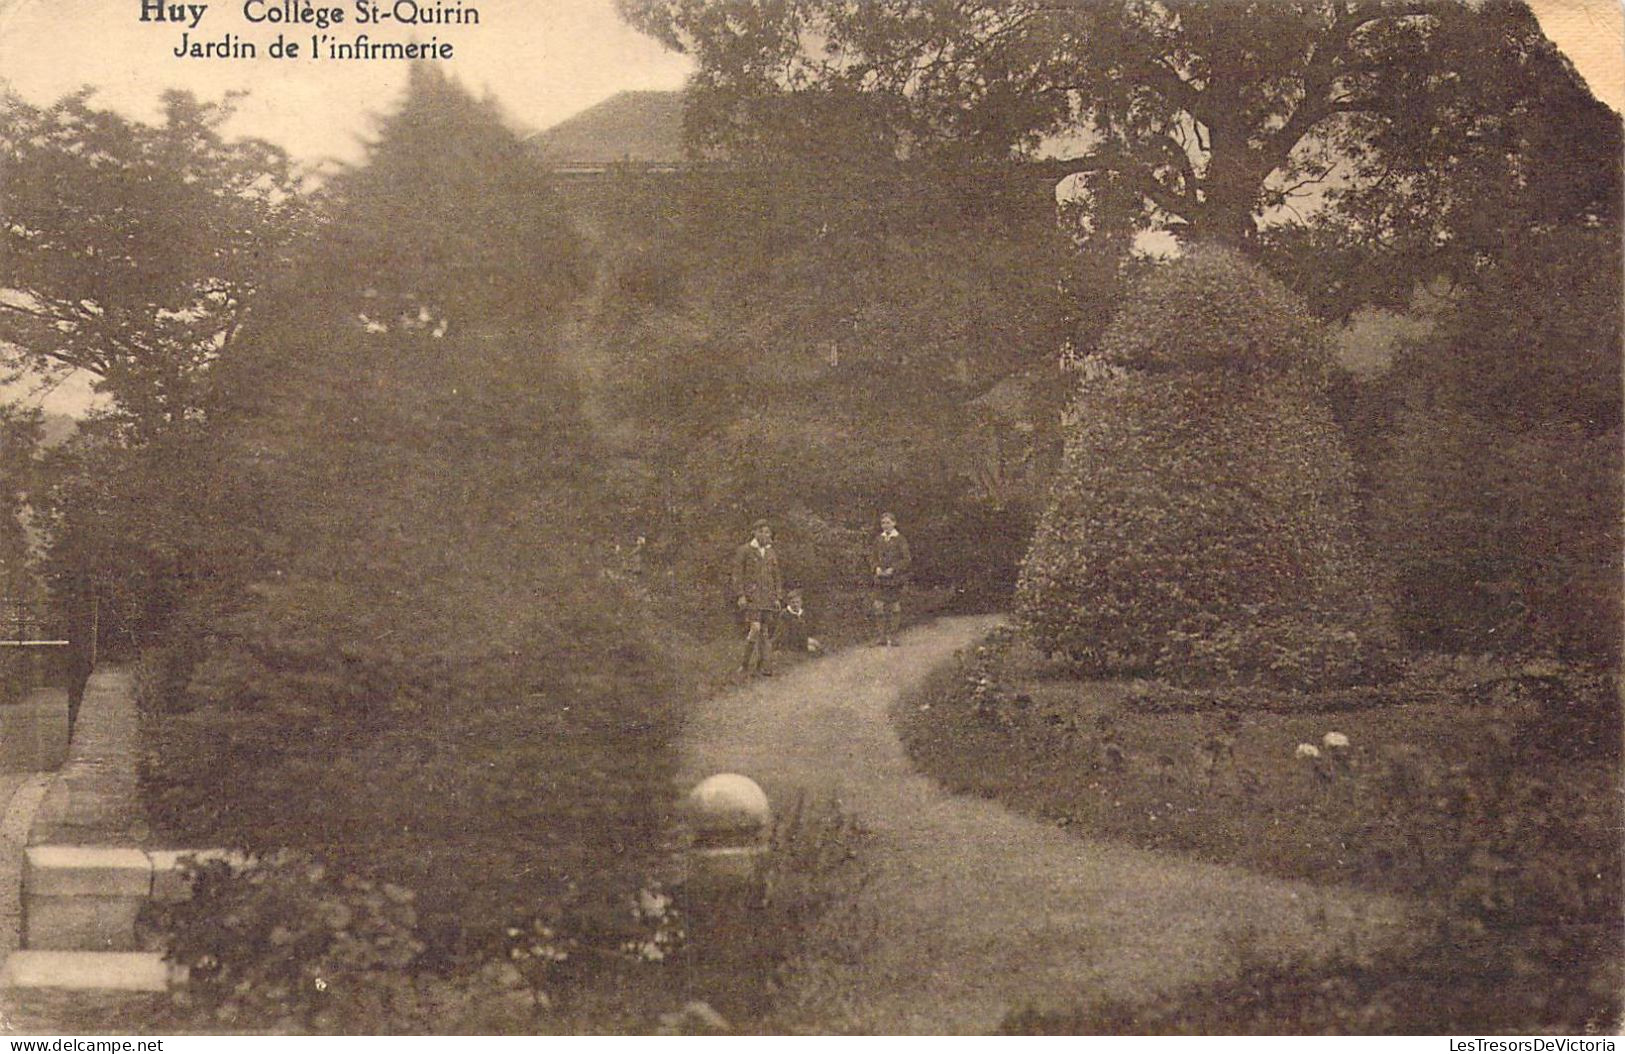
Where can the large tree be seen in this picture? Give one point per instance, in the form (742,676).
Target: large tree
(1204,117)
(132,251)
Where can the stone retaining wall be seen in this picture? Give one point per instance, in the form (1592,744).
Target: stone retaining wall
(95,798)
(84,875)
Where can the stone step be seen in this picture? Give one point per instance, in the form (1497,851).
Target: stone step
(86,898)
(88,971)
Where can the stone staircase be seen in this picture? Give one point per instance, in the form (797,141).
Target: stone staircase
(80,906)
(86,872)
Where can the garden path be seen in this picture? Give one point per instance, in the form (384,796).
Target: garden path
(974,911)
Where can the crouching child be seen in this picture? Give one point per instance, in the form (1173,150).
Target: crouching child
(795,626)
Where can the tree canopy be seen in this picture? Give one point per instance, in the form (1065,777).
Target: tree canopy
(133,251)
(1202,118)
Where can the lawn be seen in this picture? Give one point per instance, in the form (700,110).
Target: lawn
(1490,792)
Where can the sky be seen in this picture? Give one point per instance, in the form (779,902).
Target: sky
(543,60)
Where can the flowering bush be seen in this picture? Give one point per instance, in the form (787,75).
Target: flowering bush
(979,673)
(741,952)
(288,945)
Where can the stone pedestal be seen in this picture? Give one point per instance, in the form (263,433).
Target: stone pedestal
(730,820)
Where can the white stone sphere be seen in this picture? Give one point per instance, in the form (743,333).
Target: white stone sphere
(728,803)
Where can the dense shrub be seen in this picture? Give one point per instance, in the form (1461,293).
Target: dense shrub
(810,346)
(1202,526)
(1498,491)
(1503,542)
(20,434)
(268,950)
(288,944)
(975,548)
(744,956)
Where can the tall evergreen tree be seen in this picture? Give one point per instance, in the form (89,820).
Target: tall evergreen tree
(411,639)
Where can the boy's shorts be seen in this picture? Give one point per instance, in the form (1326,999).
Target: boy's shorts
(889,596)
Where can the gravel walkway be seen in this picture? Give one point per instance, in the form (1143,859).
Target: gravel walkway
(975,911)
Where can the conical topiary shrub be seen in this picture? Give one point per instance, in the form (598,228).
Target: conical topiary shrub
(1201,528)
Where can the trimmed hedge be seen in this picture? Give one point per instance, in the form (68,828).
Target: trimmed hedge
(1212,310)
(1202,526)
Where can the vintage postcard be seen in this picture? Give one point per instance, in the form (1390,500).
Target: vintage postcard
(811,517)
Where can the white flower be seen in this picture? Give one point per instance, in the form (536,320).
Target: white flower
(1308,750)
(1334,740)
(652,904)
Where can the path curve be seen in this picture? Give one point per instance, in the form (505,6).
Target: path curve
(975,911)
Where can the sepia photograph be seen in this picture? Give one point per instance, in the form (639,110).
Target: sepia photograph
(658,518)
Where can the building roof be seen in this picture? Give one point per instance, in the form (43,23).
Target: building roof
(644,127)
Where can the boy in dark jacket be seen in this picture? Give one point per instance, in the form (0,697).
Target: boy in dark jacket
(758,589)
(794,631)
(891,560)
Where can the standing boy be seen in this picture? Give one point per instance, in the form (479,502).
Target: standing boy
(757,591)
(891,563)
